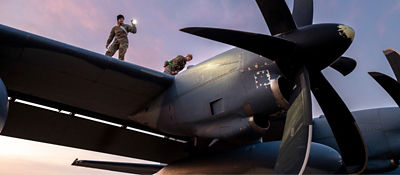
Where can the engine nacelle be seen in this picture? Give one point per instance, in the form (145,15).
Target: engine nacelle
(236,129)
(3,105)
(277,103)
(266,102)
(281,90)
(276,100)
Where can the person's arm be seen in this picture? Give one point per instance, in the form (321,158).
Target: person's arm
(132,28)
(166,63)
(110,37)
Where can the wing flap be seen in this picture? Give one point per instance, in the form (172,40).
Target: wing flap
(37,124)
(133,168)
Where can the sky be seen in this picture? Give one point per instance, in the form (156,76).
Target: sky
(87,23)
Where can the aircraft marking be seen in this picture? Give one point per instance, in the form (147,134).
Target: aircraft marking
(262,78)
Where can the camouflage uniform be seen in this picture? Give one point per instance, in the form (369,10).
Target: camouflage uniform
(176,64)
(120,36)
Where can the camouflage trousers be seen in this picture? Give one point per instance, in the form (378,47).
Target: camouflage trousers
(122,47)
(167,69)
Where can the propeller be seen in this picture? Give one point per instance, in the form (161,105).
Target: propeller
(296,139)
(344,65)
(391,86)
(277,16)
(303,12)
(301,50)
(393,57)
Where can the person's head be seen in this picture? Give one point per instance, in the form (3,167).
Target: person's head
(120,19)
(189,57)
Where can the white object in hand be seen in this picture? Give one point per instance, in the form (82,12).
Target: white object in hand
(134,21)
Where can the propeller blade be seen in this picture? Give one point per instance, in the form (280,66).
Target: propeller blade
(267,46)
(303,11)
(277,15)
(391,86)
(296,140)
(394,60)
(342,123)
(344,65)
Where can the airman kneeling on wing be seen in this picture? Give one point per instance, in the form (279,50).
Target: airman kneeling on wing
(177,64)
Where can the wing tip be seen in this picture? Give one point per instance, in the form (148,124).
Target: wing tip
(75,162)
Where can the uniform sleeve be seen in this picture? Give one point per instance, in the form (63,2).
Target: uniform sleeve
(111,37)
(131,28)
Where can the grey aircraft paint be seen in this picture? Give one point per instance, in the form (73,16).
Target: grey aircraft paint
(230,89)
(381,131)
(253,159)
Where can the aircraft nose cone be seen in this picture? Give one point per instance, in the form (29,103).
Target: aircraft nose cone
(346,32)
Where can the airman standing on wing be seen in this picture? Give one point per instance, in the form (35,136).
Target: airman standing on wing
(119,34)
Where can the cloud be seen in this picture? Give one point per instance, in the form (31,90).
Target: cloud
(70,14)
(385,18)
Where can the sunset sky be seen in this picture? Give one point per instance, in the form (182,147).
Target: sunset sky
(87,23)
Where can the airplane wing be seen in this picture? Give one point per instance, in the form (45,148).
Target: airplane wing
(47,69)
(64,77)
